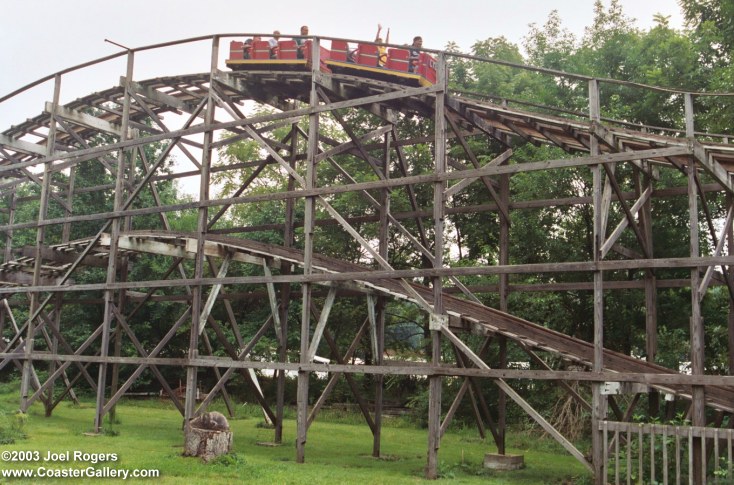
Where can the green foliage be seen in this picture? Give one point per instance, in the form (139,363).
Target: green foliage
(12,426)
(230,460)
(12,422)
(642,449)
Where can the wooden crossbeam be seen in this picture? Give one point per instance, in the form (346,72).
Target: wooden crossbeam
(84,119)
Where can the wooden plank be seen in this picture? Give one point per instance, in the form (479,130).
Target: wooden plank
(462,184)
(717,252)
(241,356)
(382,262)
(711,166)
(321,325)
(187,250)
(598,401)
(519,400)
(372,317)
(23,146)
(577,397)
(612,239)
(346,146)
(628,213)
(334,377)
(308,230)
(213,293)
(273,300)
(369,276)
(415,369)
(24,278)
(86,120)
(159,97)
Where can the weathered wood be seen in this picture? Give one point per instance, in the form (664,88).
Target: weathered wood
(335,189)
(241,356)
(84,119)
(321,324)
(576,396)
(624,223)
(628,213)
(698,417)
(469,384)
(213,293)
(706,280)
(519,400)
(334,378)
(653,379)
(23,146)
(308,229)
(285,294)
(207,436)
(598,403)
(116,395)
(112,267)
(199,95)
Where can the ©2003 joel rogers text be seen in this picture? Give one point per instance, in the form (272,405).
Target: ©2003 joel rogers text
(56,460)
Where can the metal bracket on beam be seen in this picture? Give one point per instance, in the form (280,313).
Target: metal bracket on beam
(615,388)
(438,322)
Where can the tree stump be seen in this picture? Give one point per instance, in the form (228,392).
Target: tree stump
(208,436)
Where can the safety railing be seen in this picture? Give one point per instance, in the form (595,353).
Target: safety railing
(667,454)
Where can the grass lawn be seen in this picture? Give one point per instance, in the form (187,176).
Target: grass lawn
(148,436)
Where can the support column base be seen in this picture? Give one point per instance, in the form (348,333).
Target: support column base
(495,461)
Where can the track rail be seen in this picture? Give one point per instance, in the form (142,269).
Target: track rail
(467,315)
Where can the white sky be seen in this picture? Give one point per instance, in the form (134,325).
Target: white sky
(40,37)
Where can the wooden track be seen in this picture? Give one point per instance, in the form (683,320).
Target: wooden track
(194,112)
(467,315)
(182,93)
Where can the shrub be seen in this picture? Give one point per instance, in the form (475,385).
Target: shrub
(11,426)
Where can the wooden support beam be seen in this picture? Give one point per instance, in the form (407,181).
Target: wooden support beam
(576,396)
(22,146)
(462,184)
(352,144)
(84,119)
(372,161)
(706,280)
(141,350)
(212,298)
(437,315)
(28,376)
(199,248)
(334,377)
(512,394)
(628,213)
(711,166)
(475,394)
(24,278)
(241,356)
(321,325)
(312,150)
(63,257)
(624,223)
(67,362)
(599,402)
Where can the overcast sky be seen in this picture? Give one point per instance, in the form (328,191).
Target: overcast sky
(40,37)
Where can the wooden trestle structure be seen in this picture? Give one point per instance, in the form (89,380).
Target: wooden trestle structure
(113,128)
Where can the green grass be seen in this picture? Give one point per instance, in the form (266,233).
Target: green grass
(148,435)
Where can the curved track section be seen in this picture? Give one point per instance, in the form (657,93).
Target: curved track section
(465,315)
(192,116)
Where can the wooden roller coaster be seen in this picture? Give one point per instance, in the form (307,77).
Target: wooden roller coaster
(187,115)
